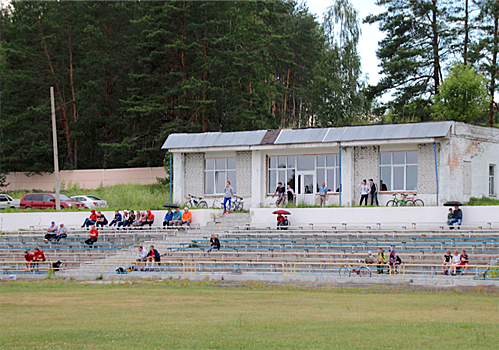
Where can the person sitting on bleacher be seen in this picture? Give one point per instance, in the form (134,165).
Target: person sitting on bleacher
(62,233)
(149,219)
(446,261)
(280,220)
(214,243)
(29,258)
(381,260)
(393,261)
(187,217)
(117,220)
(90,220)
(285,223)
(177,218)
(51,232)
(168,218)
(94,235)
(464,260)
(131,219)
(458,217)
(369,259)
(152,257)
(124,220)
(101,219)
(141,218)
(456,261)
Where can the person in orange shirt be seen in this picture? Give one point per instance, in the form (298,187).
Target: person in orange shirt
(187,217)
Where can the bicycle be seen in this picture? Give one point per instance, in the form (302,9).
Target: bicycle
(238,203)
(400,201)
(417,201)
(361,270)
(218,203)
(193,203)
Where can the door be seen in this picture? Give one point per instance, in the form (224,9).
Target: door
(4,201)
(305,188)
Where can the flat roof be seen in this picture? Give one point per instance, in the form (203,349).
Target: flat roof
(309,135)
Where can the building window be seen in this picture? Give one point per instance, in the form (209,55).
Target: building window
(399,171)
(217,172)
(285,169)
(328,171)
(492,180)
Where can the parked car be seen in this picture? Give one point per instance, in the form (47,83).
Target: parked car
(7,201)
(47,201)
(91,202)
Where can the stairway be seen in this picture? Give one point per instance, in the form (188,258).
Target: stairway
(227,221)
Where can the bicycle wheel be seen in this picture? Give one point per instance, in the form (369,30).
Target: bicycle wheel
(410,203)
(203,204)
(344,270)
(239,206)
(419,202)
(391,203)
(365,271)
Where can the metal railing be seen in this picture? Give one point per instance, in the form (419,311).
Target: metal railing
(317,269)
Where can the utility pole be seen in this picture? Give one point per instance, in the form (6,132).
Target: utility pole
(56,153)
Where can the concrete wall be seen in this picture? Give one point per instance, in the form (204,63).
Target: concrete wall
(243,174)
(15,221)
(193,175)
(90,178)
(263,217)
(366,167)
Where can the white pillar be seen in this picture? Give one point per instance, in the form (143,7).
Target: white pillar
(178,178)
(257,178)
(347,176)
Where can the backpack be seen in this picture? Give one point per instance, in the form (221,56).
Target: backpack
(120,271)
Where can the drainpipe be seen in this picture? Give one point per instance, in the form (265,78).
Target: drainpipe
(340,174)
(171,175)
(436,166)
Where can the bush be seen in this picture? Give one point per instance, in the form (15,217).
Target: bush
(482,201)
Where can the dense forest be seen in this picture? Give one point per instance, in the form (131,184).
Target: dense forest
(126,74)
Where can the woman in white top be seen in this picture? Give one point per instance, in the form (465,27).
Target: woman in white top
(456,260)
(364,191)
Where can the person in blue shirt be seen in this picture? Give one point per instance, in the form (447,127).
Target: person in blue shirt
(177,218)
(168,218)
(118,219)
(51,231)
(152,257)
(458,217)
(323,194)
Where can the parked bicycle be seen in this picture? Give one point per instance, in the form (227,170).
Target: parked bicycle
(238,203)
(196,202)
(404,201)
(417,201)
(361,270)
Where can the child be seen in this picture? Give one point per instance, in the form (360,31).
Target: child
(464,260)
(381,260)
(450,216)
(456,260)
(446,261)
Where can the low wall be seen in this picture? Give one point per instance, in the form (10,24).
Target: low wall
(15,221)
(263,217)
(90,178)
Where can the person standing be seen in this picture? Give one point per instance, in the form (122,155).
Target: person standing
(323,194)
(374,192)
(228,193)
(364,191)
(291,195)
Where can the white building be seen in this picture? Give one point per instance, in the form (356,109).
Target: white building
(437,161)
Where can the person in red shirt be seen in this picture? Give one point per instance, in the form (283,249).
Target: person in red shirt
(149,219)
(280,220)
(90,220)
(29,258)
(94,234)
(38,255)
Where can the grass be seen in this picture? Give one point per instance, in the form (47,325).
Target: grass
(129,196)
(482,201)
(183,315)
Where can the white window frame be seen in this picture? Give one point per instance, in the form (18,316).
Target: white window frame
(215,170)
(392,166)
(326,167)
(492,180)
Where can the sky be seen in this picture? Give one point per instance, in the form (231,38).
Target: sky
(370,34)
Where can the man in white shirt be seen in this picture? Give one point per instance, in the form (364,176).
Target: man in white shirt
(364,191)
(141,256)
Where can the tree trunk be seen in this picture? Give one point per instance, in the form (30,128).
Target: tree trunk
(436,59)
(466,32)
(205,75)
(71,82)
(493,70)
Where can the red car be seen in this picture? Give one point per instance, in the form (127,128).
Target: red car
(47,201)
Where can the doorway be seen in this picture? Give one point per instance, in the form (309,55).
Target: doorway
(305,187)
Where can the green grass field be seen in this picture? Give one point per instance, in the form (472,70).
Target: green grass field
(184,315)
